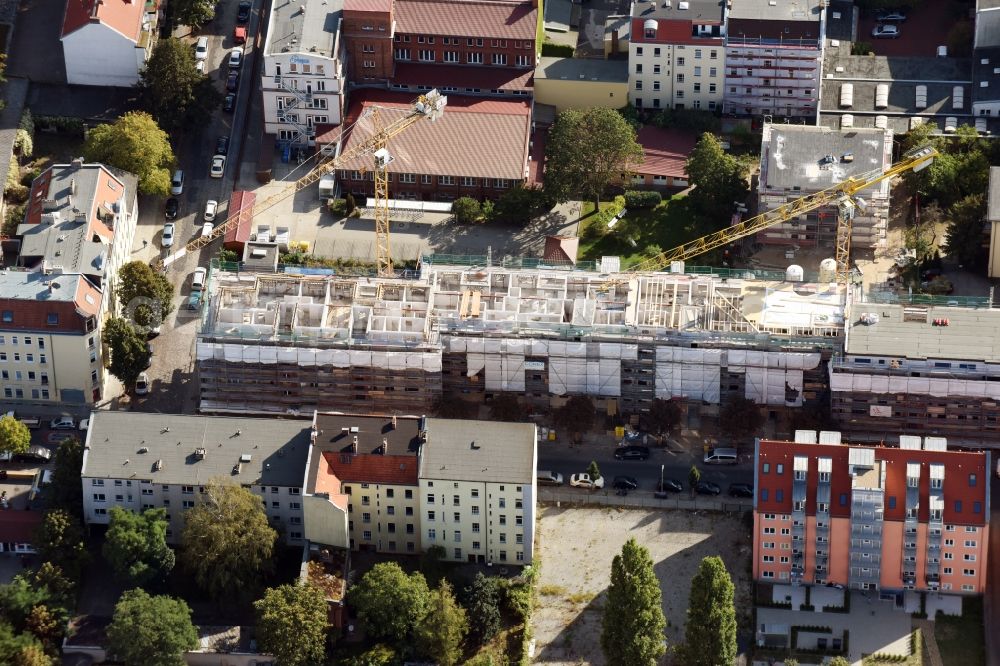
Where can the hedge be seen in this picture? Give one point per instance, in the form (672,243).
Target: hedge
(642,199)
(551,50)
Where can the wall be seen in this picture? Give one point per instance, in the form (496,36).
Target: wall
(959,551)
(324,80)
(840,542)
(891,567)
(427,187)
(576,94)
(325,522)
(386,513)
(994,257)
(695,64)
(368,41)
(96,55)
(70,359)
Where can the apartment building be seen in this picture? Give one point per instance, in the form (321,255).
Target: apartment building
(913,517)
(143,461)
(774,53)
(677,55)
(797,160)
(303,76)
(107,42)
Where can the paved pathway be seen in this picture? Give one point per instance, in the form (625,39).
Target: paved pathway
(927,630)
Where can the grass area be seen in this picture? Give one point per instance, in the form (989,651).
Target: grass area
(960,639)
(915,659)
(670,224)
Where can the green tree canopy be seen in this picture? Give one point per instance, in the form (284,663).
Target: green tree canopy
(227,542)
(710,632)
(65,491)
(483,604)
(172,90)
(60,540)
(14,435)
(465,210)
(151,631)
(136,545)
(291,624)
(506,407)
(663,416)
(145,295)
(965,231)
(519,205)
(576,416)
(129,355)
(136,144)
(718,177)
(192,12)
(586,151)
(389,602)
(593,471)
(694,476)
(440,633)
(21,649)
(633,617)
(740,418)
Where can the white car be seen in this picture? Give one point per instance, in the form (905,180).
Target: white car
(211,208)
(198,281)
(201,49)
(218,166)
(168,234)
(62,423)
(236,58)
(885,32)
(142,384)
(199,66)
(584,481)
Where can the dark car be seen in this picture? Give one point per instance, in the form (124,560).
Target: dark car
(170,210)
(669,486)
(222,145)
(707,488)
(890,15)
(149,358)
(243,13)
(740,490)
(624,483)
(229,103)
(233,81)
(632,453)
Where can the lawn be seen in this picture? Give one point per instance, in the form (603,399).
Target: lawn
(670,224)
(960,639)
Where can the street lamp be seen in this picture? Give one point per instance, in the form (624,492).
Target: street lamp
(661,477)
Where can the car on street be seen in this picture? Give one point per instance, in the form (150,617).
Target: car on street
(236,58)
(198,278)
(222,145)
(229,103)
(885,32)
(193,301)
(218,166)
(201,49)
(707,488)
(63,422)
(624,483)
(584,481)
(669,486)
(240,34)
(632,453)
(142,384)
(890,15)
(170,209)
(168,234)
(177,183)
(741,490)
(546,478)
(233,81)
(199,66)
(243,11)
(211,208)
(39,452)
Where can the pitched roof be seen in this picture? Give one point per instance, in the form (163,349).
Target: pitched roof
(368,6)
(373,468)
(467,18)
(31,296)
(475,137)
(561,248)
(488,451)
(665,151)
(669,31)
(123,16)
(460,76)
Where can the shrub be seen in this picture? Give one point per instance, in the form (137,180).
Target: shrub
(338,207)
(14,217)
(465,210)
(519,204)
(551,50)
(602,218)
(349,203)
(861,48)
(73,126)
(642,199)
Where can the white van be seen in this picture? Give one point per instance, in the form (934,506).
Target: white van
(720,457)
(177,182)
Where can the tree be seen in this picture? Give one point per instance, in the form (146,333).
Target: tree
(49,580)
(31,655)
(291,624)
(173,91)
(465,210)
(136,144)
(518,205)
(227,542)
(378,655)
(192,12)
(965,231)
(151,631)
(65,491)
(14,435)
(440,633)
(719,179)
(21,649)
(838,661)
(60,540)
(593,471)
(129,354)
(694,476)
(663,416)
(506,407)
(47,625)
(741,417)
(586,151)
(633,617)
(576,416)
(389,602)
(136,545)
(146,296)
(483,604)
(920,235)
(710,632)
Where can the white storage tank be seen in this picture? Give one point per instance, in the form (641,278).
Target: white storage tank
(882,96)
(794,273)
(828,270)
(881,122)
(847,95)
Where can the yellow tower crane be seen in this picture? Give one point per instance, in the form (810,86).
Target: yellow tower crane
(428,106)
(843,194)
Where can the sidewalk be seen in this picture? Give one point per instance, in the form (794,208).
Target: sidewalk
(644,499)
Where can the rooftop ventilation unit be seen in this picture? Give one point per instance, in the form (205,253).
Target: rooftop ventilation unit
(199,454)
(245,458)
(158,465)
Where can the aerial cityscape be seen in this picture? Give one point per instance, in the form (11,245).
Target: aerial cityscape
(499,332)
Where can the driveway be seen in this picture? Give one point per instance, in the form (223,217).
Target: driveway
(926,27)
(35,50)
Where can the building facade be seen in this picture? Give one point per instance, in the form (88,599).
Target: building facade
(581,83)
(914,517)
(676,55)
(107,42)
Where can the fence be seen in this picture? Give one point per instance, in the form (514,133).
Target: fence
(890,298)
(641,499)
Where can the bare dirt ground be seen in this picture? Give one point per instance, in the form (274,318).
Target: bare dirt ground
(577,545)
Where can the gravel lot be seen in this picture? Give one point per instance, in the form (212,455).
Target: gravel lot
(577,545)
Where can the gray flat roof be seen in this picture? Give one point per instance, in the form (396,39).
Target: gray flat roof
(893,67)
(459,450)
(840,26)
(971,334)
(986,68)
(582,69)
(780,10)
(115,441)
(902,98)
(988,26)
(791,154)
(298,27)
(993,199)
(34,286)
(696,10)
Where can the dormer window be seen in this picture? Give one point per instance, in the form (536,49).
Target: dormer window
(649,28)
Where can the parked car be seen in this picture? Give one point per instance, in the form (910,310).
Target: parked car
(199,66)
(890,15)
(584,481)
(211,208)
(632,453)
(236,58)
(707,488)
(63,422)
(885,32)
(546,478)
(243,12)
(177,182)
(198,278)
(229,103)
(624,483)
(170,210)
(741,490)
(233,81)
(222,145)
(142,384)
(39,453)
(669,486)
(240,34)
(201,49)
(193,301)
(168,234)
(218,166)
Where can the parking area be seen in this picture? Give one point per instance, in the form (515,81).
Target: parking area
(577,545)
(925,28)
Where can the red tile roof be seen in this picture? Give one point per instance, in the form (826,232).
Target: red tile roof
(536,165)
(123,16)
(670,31)
(373,468)
(479,138)
(561,248)
(467,18)
(19,526)
(666,151)
(458,76)
(384,6)
(239,233)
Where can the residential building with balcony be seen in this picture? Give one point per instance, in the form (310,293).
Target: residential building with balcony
(142,461)
(774,53)
(871,517)
(677,56)
(107,42)
(303,75)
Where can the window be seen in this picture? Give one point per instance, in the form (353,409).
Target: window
(365,500)
(970,543)
(843,499)
(366,535)
(409,178)
(187,490)
(408,494)
(524,61)
(188,504)
(409,528)
(503,519)
(458,536)
(680,62)
(503,537)
(680,78)
(779,469)
(366,517)
(977,507)
(432,534)
(712,55)
(99,497)
(958,506)
(713,72)
(638,50)
(430,516)
(390,510)
(779,495)
(409,511)
(656,85)
(499,58)
(8,316)
(968,572)
(518,504)
(519,538)
(457,517)
(638,86)
(296,506)
(947,571)
(97,482)
(768,530)
(402,54)
(969,557)
(502,503)
(475,527)
(369,64)
(451,56)
(972,480)
(368,48)
(765,468)
(474,58)
(468,181)
(697,87)
(638,68)
(426,179)
(475,511)
(446,180)
(763,494)
(697,71)
(697,54)
(426,55)
(458,553)
(430,499)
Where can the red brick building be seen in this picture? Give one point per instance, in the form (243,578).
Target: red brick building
(367,32)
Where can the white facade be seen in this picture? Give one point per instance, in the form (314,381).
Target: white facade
(98,55)
(300,91)
(682,76)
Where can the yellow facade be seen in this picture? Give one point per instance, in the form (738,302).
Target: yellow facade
(581,94)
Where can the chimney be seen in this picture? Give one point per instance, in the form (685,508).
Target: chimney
(72,185)
(394,422)
(77,163)
(385,446)
(354,444)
